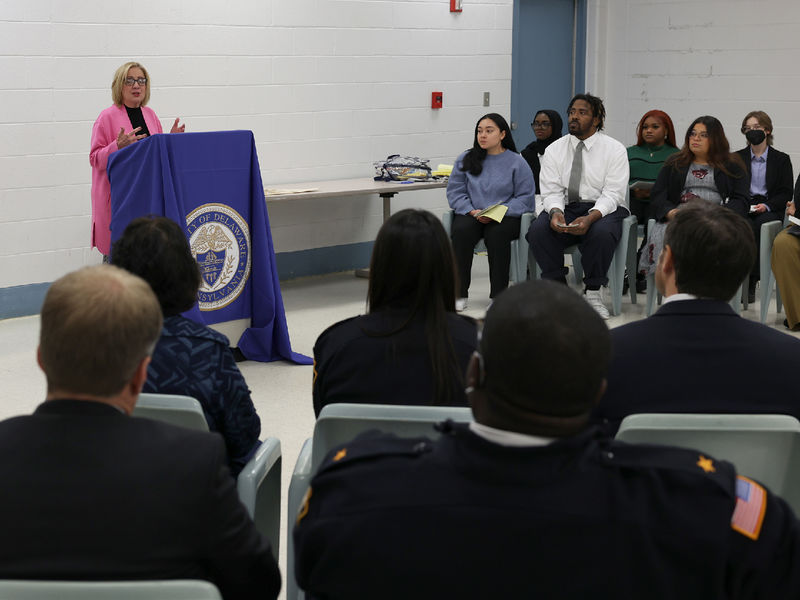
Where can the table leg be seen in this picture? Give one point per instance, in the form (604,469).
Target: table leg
(387,212)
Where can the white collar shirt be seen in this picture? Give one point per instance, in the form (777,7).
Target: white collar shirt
(508,438)
(604,177)
(680,296)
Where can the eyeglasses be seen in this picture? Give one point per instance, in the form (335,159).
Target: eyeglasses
(540,124)
(745,129)
(699,134)
(131,80)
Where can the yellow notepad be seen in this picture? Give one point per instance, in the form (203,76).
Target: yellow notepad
(495,212)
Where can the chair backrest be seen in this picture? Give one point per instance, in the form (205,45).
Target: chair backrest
(340,423)
(765,447)
(259,487)
(177,410)
(174,589)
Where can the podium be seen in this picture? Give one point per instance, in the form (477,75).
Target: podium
(210,184)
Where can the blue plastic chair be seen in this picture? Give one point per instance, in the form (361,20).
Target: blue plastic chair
(518,271)
(173,589)
(258,483)
(338,424)
(764,447)
(624,258)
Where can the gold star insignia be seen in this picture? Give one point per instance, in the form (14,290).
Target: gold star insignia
(706,464)
(304,507)
(340,455)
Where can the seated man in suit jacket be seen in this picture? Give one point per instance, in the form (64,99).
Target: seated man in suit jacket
(695,354)
(93,494)
(530,502)
(770,174)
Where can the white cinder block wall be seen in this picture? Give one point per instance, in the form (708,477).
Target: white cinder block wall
(691,58)
(326,86)
(329,86)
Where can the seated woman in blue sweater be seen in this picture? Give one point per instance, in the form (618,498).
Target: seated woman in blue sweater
(489,173)
(190,359)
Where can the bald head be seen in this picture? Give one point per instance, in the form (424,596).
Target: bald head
(97,325)
(545,355)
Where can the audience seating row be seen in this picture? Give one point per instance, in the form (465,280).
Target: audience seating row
(766,447)
(522,258)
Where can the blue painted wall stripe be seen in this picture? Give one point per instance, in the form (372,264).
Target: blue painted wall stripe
(24,300)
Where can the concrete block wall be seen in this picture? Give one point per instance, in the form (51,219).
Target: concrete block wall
(327,87)
(689,58)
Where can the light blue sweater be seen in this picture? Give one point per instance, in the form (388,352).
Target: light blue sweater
(505,178)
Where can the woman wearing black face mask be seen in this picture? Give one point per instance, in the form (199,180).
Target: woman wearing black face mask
(770,175)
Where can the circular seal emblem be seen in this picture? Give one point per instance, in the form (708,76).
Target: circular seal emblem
(220,242)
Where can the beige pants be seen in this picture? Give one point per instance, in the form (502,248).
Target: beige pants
(786,266)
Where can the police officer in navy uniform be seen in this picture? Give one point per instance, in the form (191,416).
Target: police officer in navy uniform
(529,501)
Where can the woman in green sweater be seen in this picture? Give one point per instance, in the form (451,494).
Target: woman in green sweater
(655,142)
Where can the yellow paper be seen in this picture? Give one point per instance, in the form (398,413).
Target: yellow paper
(495,212)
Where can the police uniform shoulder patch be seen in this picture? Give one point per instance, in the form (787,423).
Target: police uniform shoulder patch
(751,504)
(374,444)
(669,458)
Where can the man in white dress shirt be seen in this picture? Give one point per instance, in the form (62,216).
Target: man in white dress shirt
(583,182)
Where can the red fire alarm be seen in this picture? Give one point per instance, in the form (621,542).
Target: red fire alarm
(455,5)
(436,99)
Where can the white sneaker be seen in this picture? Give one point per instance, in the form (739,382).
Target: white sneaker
(595,300)
(461,304)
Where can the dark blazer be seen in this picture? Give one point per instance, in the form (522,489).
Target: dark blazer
(666,192)
(778,179)
(699,356)
(354,361)
(90,493)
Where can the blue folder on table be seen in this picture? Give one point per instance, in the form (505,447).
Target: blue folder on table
(210,184)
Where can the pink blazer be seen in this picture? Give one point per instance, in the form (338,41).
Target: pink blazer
(104,142)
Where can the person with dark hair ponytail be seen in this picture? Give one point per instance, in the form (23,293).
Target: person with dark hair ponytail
(491,172)
(411,347)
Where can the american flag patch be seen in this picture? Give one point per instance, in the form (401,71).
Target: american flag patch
(751,502)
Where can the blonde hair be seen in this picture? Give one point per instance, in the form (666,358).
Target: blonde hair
(119,82)
(97,325)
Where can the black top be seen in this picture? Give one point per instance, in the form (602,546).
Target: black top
(355,362)
(666,192)
(778,178)
(583,517)
(137,119)
(717,361)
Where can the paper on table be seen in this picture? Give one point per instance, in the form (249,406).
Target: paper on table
(642,185)
(495,212)
(277,192)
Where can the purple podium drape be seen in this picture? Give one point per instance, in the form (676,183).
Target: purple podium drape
(210,184)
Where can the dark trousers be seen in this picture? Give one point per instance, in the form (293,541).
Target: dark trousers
(756,221)
(466,231)
(597,246)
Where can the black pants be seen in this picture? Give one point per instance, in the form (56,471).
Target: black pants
(466,231)
(597,246)
(756,221)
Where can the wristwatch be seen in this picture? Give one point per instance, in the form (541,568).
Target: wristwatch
(555,210)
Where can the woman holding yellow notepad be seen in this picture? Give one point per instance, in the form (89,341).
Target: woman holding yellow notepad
(490,175)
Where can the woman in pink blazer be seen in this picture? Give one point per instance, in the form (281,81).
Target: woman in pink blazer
(125,122)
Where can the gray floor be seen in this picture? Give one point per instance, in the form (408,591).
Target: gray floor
(281,391)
